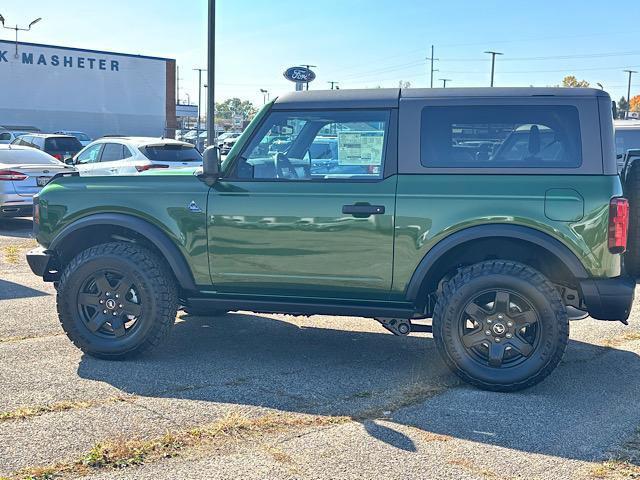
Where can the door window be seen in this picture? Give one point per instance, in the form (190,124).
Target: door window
(90,155)
(5,136)
(317,146)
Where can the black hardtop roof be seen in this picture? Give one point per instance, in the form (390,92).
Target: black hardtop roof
(389,97)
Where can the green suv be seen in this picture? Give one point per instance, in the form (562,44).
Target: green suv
(492,212)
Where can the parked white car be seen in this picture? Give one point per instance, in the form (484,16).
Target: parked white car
(132,155)
(23,173)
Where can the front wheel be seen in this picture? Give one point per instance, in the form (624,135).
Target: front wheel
(116,300)
(500,325)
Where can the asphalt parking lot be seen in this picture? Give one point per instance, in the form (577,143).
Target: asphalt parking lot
(248,395)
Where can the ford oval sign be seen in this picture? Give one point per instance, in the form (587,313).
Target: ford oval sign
(300,75)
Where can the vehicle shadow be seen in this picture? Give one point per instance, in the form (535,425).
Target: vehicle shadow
(589,404)
(12,291)
(16,227)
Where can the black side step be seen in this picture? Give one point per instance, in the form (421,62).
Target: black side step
(389,309)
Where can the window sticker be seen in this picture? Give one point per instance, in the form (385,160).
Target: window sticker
(360,148)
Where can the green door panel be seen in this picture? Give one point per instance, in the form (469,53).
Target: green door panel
(291,238)
(564,205)
(431,207)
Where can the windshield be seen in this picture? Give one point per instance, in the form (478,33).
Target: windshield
(172,153)
(28,156)
(627,140)
(83,137)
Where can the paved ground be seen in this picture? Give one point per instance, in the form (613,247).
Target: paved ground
(381,406)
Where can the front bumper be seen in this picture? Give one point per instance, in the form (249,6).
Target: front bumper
(608,298)
(43,263)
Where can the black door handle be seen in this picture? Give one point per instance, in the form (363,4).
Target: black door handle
(363,211)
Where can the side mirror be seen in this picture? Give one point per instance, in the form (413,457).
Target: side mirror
(211,165)
(69,161)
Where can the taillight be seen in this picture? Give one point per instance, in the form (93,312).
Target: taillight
(618,224)
(144,168)
(9,175)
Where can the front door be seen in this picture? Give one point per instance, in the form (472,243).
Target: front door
(308,208)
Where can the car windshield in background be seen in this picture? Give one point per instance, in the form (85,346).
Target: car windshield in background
(26,157)
(83,137)
(172,153)
(627,140)
(62,144)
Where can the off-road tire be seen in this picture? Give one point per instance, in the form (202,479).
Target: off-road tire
(526,283)
(157,289)
(632,193)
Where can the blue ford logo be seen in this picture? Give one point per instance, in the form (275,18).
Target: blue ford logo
(299,74)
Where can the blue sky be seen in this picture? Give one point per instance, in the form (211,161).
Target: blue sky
(358,43)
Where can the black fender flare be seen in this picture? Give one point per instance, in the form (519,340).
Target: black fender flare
(519,232)
(154,234)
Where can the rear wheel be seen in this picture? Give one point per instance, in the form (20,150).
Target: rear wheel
(117,300)
(500,325)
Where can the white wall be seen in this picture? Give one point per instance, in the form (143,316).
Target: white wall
(66,89)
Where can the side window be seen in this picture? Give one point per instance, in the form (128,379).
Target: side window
(111,152)
(317,146)
(38,142)
(507,136)
(126,153)
(90,155)
(5,136)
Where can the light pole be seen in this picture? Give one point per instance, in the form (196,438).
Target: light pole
(265,95)
(493,63)
(334,85)
(19,29)
(630,72)
(211,74)
(444,81)
(199,70)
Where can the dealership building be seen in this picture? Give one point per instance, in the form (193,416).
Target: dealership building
(100,93)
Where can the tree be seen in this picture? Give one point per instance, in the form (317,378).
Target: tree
(404,84)
(623,105)
(634,104)
(234,106)
(573,82)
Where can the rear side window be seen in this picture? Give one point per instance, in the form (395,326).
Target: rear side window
(4,136)
(501,136)
(171,153)
(62,144)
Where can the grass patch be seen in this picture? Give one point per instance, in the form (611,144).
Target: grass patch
(120,454)
(616,469)
(35,411)
(411,395)
(13,253)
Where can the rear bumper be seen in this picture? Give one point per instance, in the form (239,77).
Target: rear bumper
(43,263)
(13,205)
(608,298)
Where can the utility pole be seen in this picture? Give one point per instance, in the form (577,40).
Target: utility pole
(493,63)
(308,67)
(433,59)
(444,81)
(630,72)
(19,29)
(199,70)
(211,75)
(334,84)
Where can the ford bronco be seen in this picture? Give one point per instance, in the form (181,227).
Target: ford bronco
(492,212)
